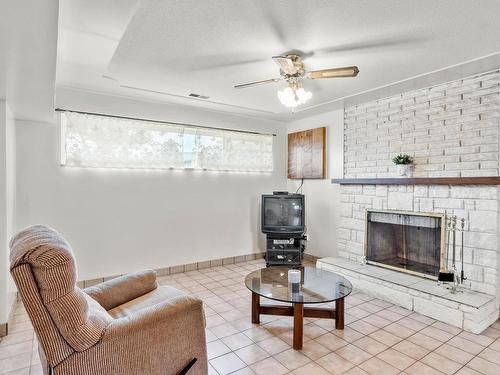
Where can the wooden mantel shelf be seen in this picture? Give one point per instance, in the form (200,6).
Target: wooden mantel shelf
(419,181)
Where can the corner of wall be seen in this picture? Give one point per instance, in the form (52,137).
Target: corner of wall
(7,205)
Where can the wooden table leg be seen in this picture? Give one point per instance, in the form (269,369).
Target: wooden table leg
(255,308)
(298,325)
(339,313)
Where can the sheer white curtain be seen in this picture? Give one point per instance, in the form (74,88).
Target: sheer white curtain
(110,142)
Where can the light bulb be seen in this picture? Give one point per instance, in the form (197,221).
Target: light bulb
(291,97)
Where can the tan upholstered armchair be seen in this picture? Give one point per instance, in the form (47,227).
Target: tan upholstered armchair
(128,325)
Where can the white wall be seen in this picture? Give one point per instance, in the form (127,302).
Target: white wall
(323,197)
(3,216)
(10,148)
(28,45)
(7,207)
(123,220)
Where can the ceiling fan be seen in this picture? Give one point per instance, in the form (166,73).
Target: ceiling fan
(292,70)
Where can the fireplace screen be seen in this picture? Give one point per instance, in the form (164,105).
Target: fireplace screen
(409,242)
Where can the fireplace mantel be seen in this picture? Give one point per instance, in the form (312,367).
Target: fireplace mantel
(493,180)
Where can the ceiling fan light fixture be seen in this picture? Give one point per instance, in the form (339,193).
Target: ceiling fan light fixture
(292,96)
(293,71)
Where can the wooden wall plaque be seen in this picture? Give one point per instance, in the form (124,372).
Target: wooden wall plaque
(307,154)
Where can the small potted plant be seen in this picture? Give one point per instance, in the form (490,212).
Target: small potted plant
(404,164)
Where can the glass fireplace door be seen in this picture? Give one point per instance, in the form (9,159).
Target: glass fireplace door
(406,241)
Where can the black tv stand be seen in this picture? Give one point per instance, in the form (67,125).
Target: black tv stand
(284,249)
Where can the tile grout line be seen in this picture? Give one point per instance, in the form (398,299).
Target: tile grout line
(477,355)
(381,328)
(392,346)
(228,279)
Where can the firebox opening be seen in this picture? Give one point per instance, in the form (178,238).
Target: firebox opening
(406,241)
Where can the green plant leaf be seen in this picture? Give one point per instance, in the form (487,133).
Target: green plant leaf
(404,159)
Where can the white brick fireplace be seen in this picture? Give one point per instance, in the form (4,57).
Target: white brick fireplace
(452,130)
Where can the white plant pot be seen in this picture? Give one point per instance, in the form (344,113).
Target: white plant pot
(404,170)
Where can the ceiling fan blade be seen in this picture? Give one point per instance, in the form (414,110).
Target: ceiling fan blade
(285,64)
(256,83)
(374,44)
(272,17)
(348,71)
(222,62)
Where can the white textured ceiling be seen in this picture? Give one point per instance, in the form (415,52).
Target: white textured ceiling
(169,49)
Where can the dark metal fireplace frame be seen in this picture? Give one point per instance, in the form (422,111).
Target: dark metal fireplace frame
(442,254)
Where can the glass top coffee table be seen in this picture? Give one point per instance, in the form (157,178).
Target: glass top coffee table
(316,286)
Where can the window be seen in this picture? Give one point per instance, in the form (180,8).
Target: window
(113,142)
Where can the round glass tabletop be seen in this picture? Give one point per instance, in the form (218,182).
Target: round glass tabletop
(316,286)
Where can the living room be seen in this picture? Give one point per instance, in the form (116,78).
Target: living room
(249,187)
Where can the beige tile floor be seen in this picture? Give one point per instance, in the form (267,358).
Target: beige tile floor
(379,338)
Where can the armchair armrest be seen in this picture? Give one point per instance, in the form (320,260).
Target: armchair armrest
(172,314)
(120,290)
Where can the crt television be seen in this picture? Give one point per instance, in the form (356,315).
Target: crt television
(283,213)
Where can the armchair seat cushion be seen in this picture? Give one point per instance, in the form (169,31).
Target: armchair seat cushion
(156,296)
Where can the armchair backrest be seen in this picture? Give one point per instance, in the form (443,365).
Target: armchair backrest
(65,319)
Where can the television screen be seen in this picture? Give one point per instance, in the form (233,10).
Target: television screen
(283,213)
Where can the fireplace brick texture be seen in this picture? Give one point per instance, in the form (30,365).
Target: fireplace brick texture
(452,130)
(481,237)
